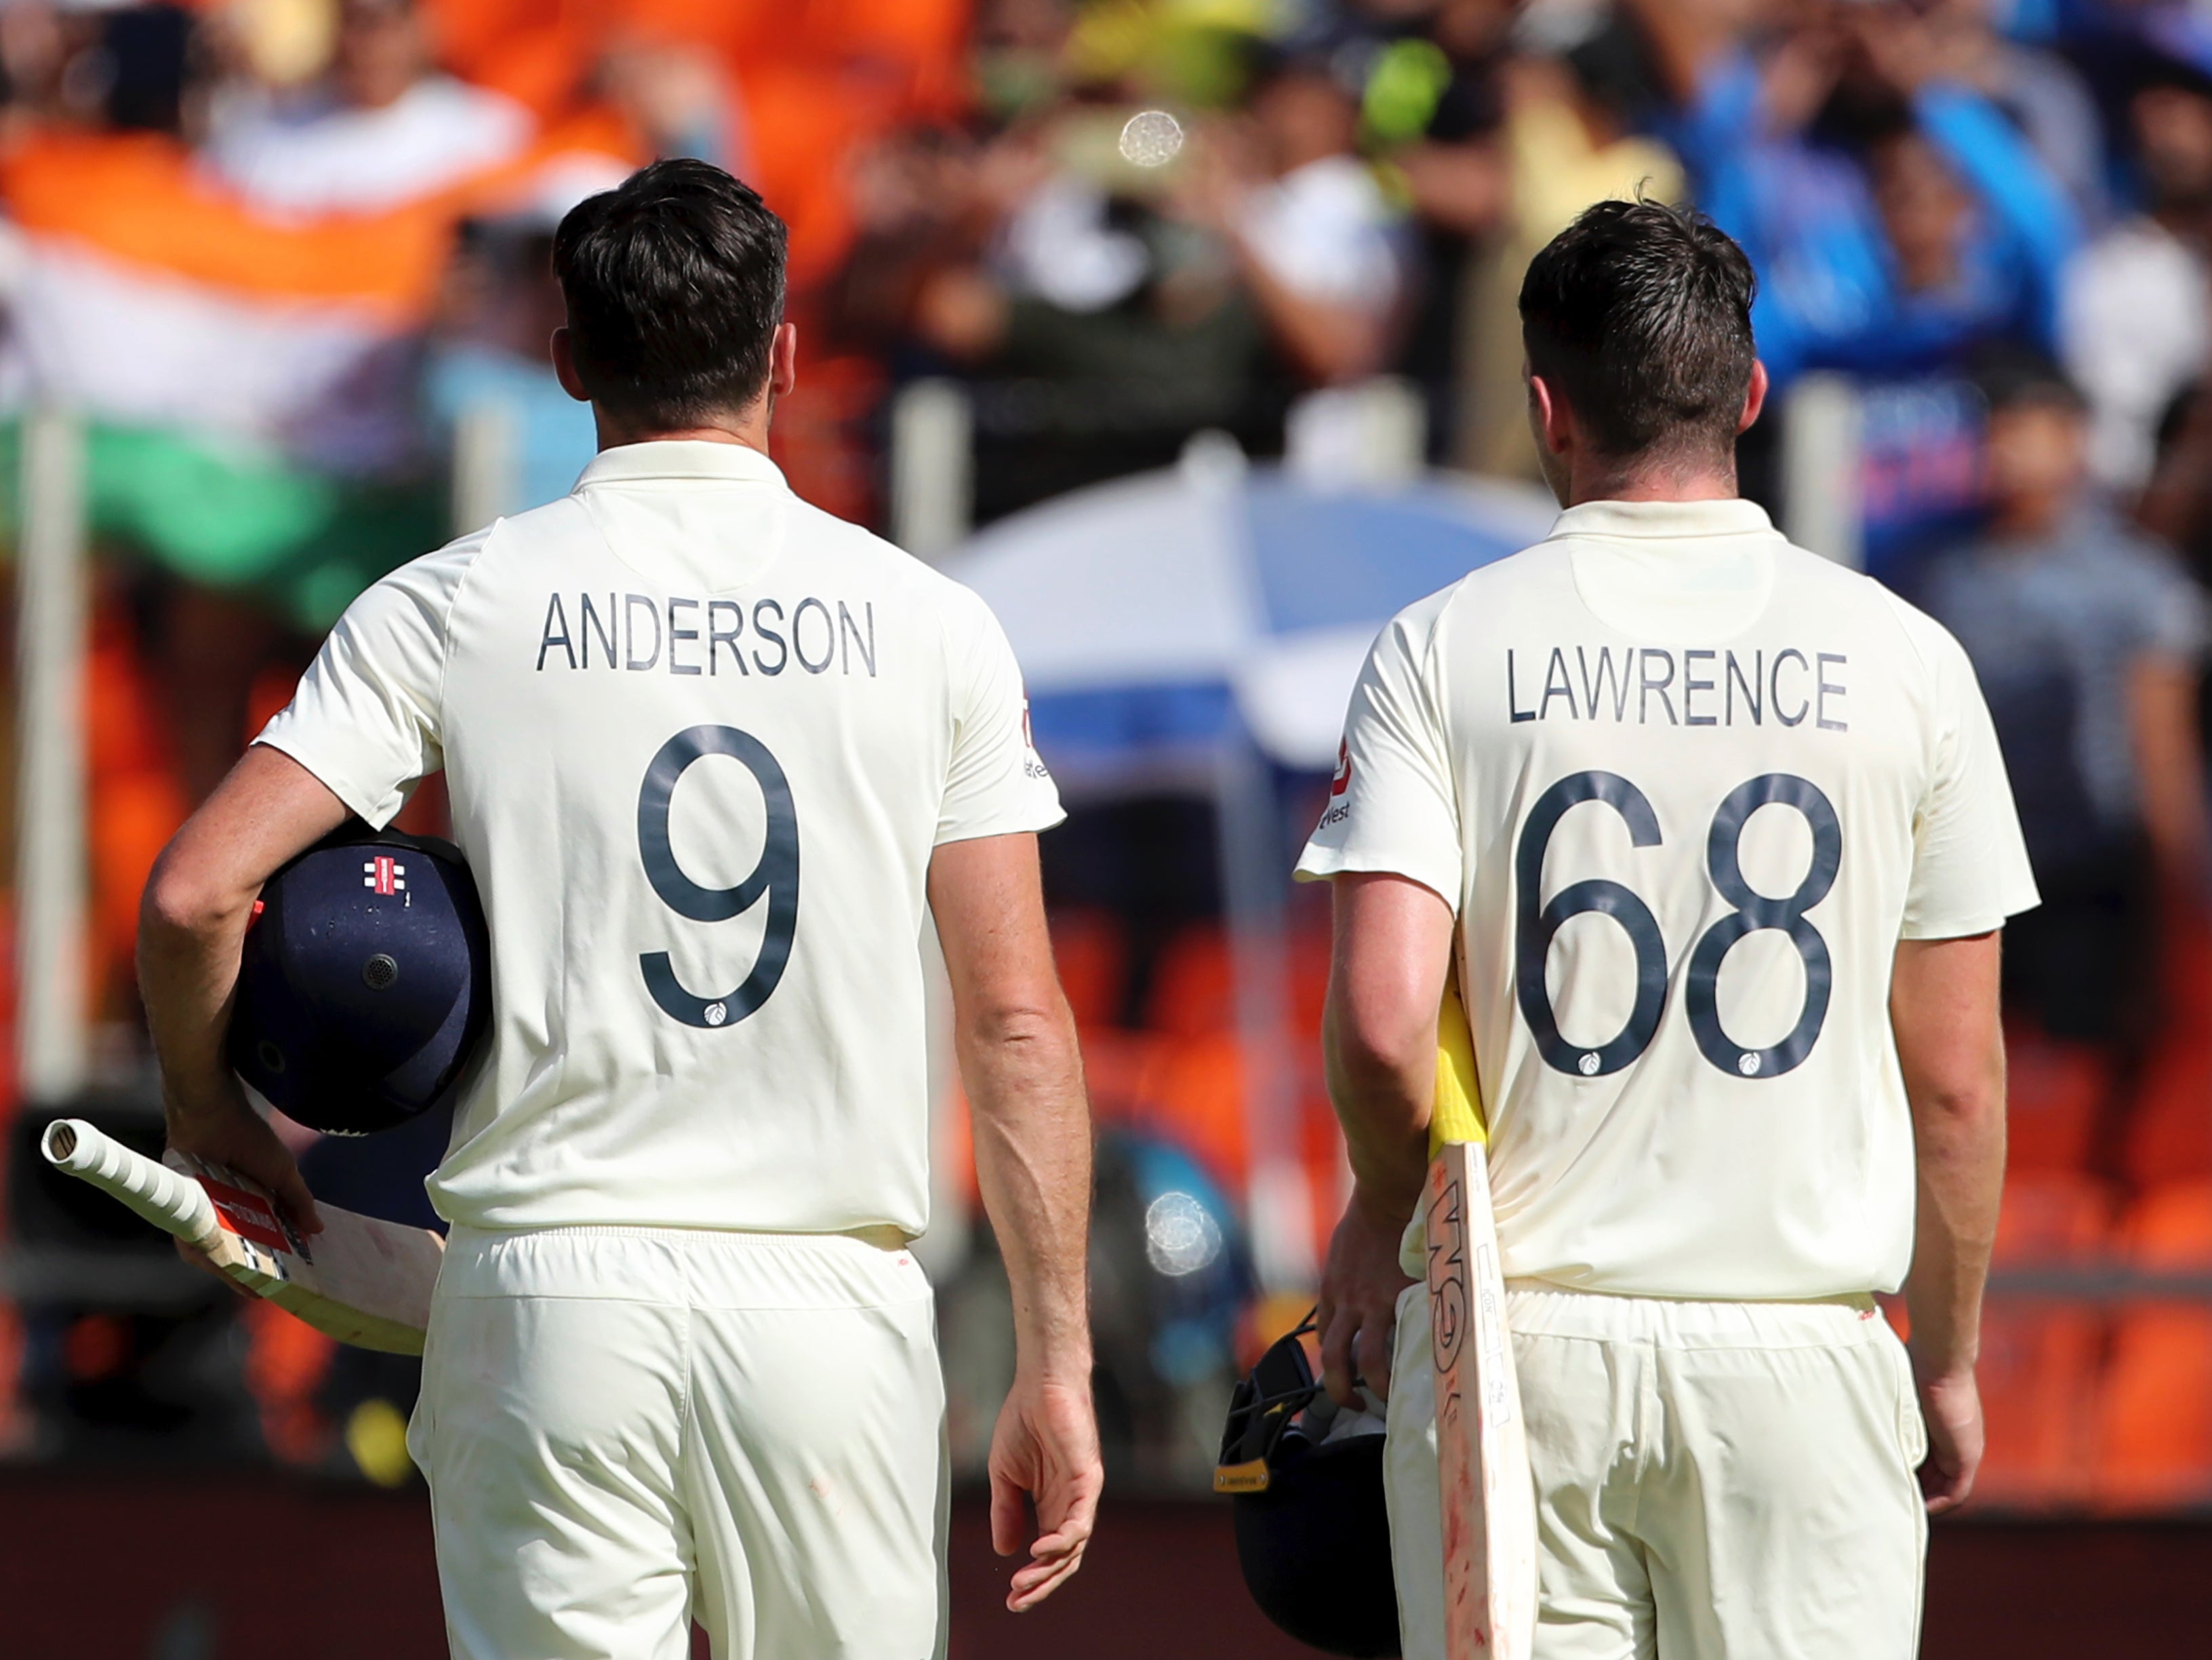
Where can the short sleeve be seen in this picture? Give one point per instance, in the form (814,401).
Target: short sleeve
(1392,806)
(365,719)
(995,784)
(1970,868)
(2173,612)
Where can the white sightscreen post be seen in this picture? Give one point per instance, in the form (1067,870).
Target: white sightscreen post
(1279,1203)
(932,467)
(487,465)
(1820,469)
(51,618)
(1373,432)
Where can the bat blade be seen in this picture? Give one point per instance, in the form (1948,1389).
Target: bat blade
(360,1280)
(1489,1504)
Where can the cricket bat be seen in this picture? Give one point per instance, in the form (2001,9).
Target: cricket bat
(1482,1449)
(363,1281)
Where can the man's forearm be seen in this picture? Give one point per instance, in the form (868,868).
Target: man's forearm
(1393,958)
(1951,1048)
(1384,1111)
(1961,1176)
(1032,1130)
(189,942)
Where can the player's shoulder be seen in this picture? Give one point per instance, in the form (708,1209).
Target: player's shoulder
(1920,647)
(925,595)
(1854,603)
(430,581)
(857,547)
(1489,594)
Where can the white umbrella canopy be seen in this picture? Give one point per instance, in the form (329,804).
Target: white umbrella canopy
(1155,617)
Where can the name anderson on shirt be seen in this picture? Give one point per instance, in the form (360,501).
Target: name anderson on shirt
(1702,686)
(816,634)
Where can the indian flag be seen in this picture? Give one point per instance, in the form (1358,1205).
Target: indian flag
(248,380)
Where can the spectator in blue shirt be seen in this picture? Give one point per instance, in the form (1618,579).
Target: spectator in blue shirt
(2087,638)
(1932,229)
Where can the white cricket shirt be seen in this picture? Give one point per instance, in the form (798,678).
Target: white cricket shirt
(701,740)
(1685,786)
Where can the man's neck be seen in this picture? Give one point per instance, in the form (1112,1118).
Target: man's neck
(748,431)
(1613,483)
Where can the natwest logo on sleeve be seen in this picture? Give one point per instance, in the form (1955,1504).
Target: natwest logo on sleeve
(1342,780)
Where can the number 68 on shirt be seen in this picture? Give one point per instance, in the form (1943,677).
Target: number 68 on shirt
(1537,924)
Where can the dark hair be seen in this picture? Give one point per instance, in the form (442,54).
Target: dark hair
(2010,377)
(674,281)
(1640,314)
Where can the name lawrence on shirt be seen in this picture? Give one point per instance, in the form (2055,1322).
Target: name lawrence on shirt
(1679,686)
(642,634)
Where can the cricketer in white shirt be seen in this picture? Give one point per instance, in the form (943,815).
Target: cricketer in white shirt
(700,740)
(1684,786)
(733,727)
(718,762)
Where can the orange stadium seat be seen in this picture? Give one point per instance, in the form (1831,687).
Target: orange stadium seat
(815,78)
(2038,1371)
(136,800)
(2155,1445)
(1194,988)
(1092,952)
(1120,1070)
(2055,1092)
(2169,1135)
(286,1361)
(1195,1091)
(1309,948)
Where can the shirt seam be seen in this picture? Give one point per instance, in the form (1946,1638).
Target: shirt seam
(446,629)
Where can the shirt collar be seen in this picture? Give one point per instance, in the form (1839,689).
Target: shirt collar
(1643,521)
(681,459)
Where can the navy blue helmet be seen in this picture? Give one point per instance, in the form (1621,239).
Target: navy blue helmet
(1313,1529)
(366,982)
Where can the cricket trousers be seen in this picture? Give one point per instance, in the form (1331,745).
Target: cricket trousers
(626,1429)
(1714,1480)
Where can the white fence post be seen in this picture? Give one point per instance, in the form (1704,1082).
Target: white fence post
(487,465)
(932,467)
(1820,469)
(1373,432)
(51,624)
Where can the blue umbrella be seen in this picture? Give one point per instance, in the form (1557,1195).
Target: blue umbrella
(1158,616)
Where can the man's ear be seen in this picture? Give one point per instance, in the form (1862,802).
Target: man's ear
(1555,422)
(783,361)
(1754,396)
(565,365)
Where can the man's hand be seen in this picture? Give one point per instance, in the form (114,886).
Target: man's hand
(1952,1406)
(1016,1040)
(1360,1290)
(1046,1449)
(222,1129)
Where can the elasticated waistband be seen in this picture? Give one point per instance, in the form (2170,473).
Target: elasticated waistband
(698,1268)
(1533,1308)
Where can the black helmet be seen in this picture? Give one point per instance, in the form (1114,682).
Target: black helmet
(1313,1532)
(365,984)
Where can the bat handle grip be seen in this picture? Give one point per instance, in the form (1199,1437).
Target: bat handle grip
(176,1204)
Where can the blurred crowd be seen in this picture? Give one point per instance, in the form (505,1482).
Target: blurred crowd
(289,259)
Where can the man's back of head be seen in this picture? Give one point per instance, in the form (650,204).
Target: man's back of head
(1638,318)
(674,283)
